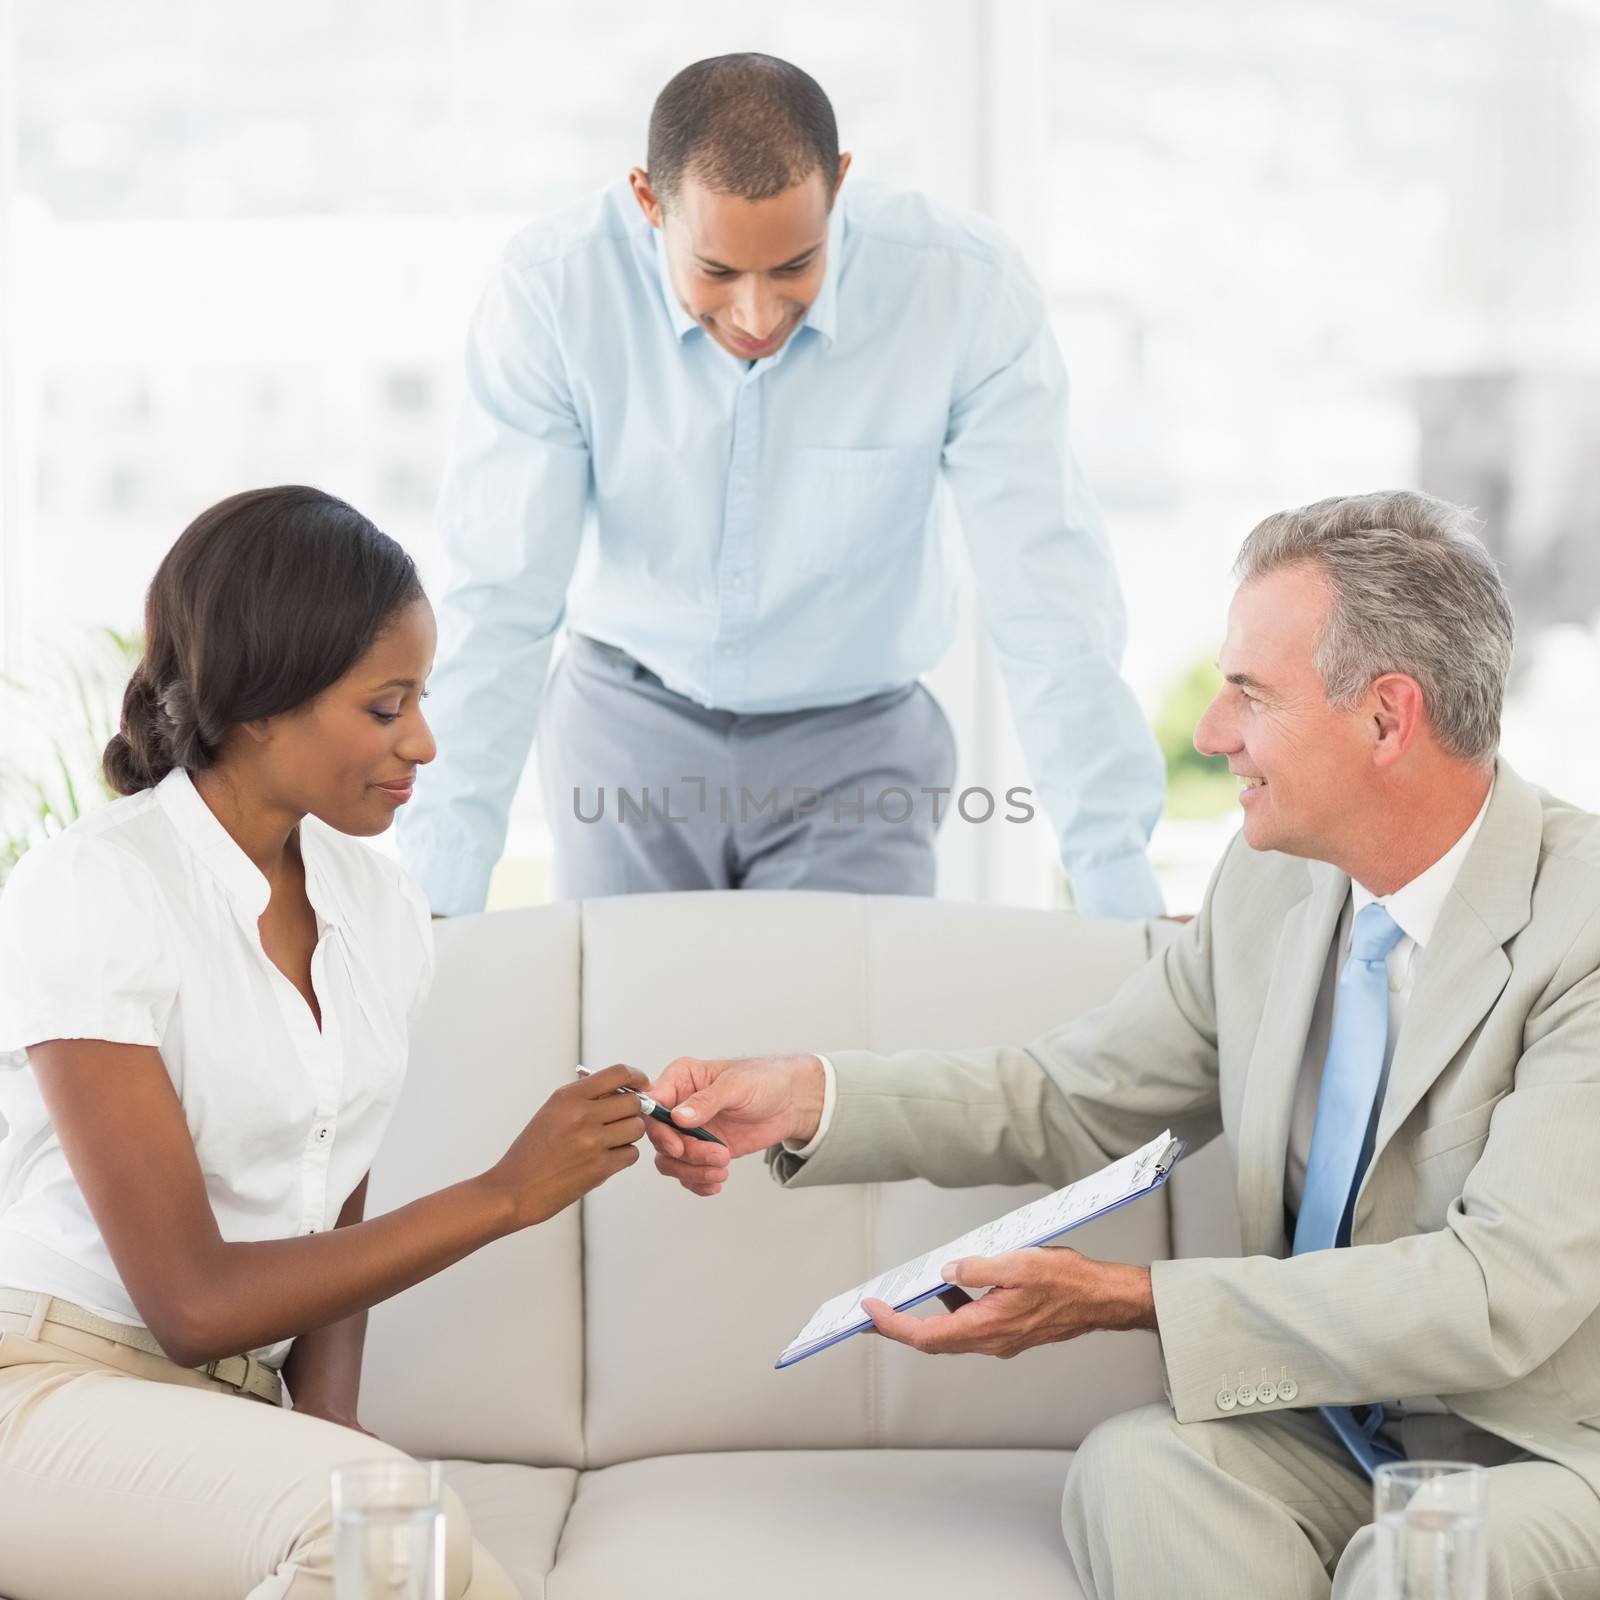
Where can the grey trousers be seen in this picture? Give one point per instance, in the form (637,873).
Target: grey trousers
(1272,1508)
(647,791)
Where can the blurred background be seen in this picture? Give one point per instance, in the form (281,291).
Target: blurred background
(1292,248)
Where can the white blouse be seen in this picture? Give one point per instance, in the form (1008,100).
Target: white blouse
(138,925)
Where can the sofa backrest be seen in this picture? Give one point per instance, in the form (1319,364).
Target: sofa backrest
(484,1361)
(646,1321)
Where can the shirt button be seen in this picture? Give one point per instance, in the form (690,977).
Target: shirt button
(311,1230)
(736,581)
(322,1131)
(1225,1400)
(1287,1388)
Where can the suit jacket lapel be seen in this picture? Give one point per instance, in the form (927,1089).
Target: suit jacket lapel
(1278,1055)
(1464,968)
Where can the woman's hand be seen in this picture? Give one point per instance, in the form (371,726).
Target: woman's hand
(577,1139)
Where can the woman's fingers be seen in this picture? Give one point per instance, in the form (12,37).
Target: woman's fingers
(628,1130)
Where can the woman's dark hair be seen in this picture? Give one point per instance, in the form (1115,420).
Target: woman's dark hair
(265,600)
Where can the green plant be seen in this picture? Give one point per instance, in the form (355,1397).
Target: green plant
(1198,787)
(56,725)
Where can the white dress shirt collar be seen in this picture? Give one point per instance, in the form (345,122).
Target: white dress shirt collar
(1415,906)
(241,878)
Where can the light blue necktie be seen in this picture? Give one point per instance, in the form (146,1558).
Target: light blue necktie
(1339,1148)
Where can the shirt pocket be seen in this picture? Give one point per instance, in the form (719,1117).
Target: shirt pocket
(855,506)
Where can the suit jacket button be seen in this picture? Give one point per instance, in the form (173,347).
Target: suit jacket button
(1226,1400)
(1266,1393)
(1287,1389)
(1247,1394)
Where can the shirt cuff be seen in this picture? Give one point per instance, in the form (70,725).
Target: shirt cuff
(1124,886)
(830,1091)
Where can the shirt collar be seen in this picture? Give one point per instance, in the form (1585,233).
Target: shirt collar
(822,316)
(243,881)
(1416,906)
(682,322)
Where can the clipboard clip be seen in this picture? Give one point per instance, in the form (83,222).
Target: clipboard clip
(1171,1156)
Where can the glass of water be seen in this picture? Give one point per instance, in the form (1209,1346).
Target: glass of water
(388,1528)
(1432,1533)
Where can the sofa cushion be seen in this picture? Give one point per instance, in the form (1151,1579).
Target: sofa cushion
(795,1524)
(690,1300)
(517,1515)
(486,1359)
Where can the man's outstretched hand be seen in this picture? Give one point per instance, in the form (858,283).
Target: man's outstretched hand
(749,1104)
(1038,1296)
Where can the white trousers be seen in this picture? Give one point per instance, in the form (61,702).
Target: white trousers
(117,1487)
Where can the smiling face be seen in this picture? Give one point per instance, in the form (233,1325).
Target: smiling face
(1304,766)
(349,756)
(746,270)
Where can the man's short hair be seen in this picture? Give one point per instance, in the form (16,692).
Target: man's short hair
(747,125)
(1414,591)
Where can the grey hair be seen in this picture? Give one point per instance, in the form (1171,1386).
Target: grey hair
(1414,591)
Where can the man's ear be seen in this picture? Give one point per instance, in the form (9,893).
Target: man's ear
(1398,714)
(838,183)
(639,181)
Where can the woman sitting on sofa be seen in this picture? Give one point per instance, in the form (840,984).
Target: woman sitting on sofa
(211,980)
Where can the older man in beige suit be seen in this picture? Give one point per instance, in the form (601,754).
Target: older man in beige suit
(1389,1006)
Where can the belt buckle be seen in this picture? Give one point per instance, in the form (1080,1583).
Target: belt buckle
(211,1371)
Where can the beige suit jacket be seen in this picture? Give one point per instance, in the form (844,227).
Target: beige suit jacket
(1474,1266)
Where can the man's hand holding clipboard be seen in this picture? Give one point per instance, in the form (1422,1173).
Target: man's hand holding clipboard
(1035,1294)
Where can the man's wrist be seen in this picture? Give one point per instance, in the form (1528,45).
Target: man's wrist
(1132,1301)
(807,1093)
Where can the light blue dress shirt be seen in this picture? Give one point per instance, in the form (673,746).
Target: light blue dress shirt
(765,537)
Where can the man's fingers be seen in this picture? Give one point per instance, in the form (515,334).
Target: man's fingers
(706,1103)
(694,1091)
(693,1112)
(692,1152)
(902,1327)
(981,1272)
(892,1324)
(691,1177)
(677,1081)
(667,1140)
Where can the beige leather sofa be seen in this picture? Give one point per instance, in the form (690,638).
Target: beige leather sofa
(603,1385)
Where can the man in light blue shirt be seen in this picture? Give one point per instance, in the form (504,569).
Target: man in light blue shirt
(707,415)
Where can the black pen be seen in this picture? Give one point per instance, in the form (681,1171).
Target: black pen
(659,1112)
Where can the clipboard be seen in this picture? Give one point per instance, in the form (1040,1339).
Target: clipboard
(1130,1178)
